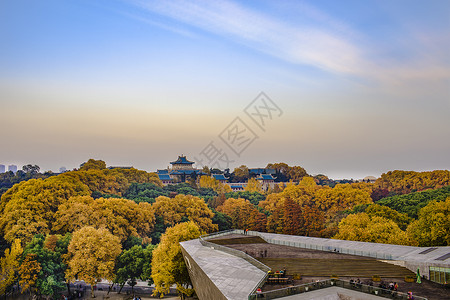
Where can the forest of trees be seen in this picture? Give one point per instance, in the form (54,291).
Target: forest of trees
(124,225)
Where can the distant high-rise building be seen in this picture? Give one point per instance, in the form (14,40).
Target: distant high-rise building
(12,168)
(62,169)
(2,169)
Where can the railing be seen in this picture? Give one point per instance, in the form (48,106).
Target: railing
(298,289)
(274,294)
(235,252)
(238,253)
(312,246)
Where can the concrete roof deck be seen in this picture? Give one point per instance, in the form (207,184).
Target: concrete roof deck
(234,277)
(380,251)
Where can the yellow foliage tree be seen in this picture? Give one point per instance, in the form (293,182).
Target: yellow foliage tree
(341,197)
(243,214)
(121,217)
(216,185)
(403,182)
(91,255)
(183,208)
(29,206)
(9,266)
(433,226)
(93,164)
(362,227)
(168,266)
(253,185)
(28,272)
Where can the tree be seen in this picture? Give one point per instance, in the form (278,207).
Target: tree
(433,226)
(410,204)
(243,214)
(29,207)
(404,182)
(28,273)
(9,266)
(253,185)
(241,174)
(216,185)
(47,252)
(286,173)
(93,164)
(292,217)
(168,265)
(91,255)
(185,208)
(362,227)
(341,197)
(129,266)
(33,169)
(402,220)
(121,217)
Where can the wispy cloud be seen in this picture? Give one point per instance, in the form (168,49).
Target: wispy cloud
(316,38)
(291,42)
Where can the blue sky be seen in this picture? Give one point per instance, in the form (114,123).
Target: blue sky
(363,85)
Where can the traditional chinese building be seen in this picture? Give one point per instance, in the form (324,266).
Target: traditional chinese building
(182,169)
(220,177)
(267,181)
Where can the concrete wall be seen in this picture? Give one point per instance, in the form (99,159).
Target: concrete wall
(204,287)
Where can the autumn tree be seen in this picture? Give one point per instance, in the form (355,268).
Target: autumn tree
(93,164)
(341,197)
(183,208)
(402,220)
(292,217)
(216,185)
(29,207)
(433,226)
(243,214)
(168,265)
(28,273)
(253,185)
(91,255)
(241,173)
(362,227)
(121,217)
(9,266)
(404,182)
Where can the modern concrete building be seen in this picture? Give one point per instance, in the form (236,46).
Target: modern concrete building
(2,169)
(12,168)
(219,272)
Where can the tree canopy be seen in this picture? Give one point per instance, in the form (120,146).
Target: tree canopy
(168,266)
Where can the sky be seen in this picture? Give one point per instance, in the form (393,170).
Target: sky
(342,88)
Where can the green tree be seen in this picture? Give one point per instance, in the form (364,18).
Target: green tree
(47,252)
(410,204)
(168,265)
(91,255)
(129,267)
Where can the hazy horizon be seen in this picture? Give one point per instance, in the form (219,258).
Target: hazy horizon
(361,88)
